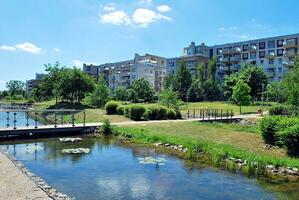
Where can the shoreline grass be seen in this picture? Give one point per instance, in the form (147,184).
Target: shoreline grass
(216,150)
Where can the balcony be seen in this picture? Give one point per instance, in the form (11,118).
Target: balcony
(235,59)
(270,55)
(271,74)
(271,66)
(289,53)
(236,50)
(252,48)
(226,51)
(225,60)
(288,63)
(290,43)
(235,67)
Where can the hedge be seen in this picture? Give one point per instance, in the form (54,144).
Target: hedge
(137,112)
(111,107)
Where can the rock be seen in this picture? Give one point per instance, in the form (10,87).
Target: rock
(238,161)
(291,172)
(167,145)
(281,170)
(295,169)
(76,151)
(269,167)
(274,170)
(181,146)
(70,139)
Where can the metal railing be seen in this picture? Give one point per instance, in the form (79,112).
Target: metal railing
(208,114)
(38,118)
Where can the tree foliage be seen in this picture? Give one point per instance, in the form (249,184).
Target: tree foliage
(141,91)
(15,87)
(241,94)
(169,98)
(276,92)
(184,80)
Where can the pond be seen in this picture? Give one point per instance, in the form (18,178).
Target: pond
(114,170)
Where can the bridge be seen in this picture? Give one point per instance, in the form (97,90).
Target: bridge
(63,121)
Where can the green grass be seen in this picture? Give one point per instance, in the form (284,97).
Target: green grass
(217,140)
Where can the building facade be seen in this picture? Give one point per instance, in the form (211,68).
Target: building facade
(33,83)
(149,67)
(274,54)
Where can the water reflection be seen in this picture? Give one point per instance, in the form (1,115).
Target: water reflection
(113,170)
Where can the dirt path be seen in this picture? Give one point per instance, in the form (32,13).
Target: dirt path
(15,185)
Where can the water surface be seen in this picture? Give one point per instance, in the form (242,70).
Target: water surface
(113,170)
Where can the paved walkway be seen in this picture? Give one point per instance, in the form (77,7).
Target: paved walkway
(15,185)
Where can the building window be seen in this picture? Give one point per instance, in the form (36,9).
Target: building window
(262,54)
(262,45)
(279,52)
(245,56)
(245,47)
(280,69)
(271,61)
(219,51)
(279,43)
(271,44)
(252,55)
(280,61)
(262,61)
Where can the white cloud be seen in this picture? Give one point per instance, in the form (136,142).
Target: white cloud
(109,7)
(29,47)
(79,63)
(164,8)
(56,50)
(145,2)
(143,17)
(7,48)
(116,18)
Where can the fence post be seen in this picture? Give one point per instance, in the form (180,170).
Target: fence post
(209,114)
(55,120)
(35,114)
(215,114)
(84,118)
(73,120)
(188,114)
(27,119)
(221,114)
(7,119)
(193,113)
(227,114)
(14,120)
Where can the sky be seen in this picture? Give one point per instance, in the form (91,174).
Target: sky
(37,32)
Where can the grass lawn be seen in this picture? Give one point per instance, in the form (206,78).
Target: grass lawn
(225,139)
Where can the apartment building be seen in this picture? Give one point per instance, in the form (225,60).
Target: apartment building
(31,84)
(192,55)
(274,54)
(149,67)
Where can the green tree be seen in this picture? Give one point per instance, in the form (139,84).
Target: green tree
(169,98)
(100,95)
(15,87)
(170,82)
(241,94)
(229,83)
(291,84)
(121,94)
(184,80)
(255,78)
(141,91)
(276,92)
(195,92)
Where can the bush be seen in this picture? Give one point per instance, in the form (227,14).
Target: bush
(269,127)
(120,110)
(111,107)
(153,112)
(171,114)
(127,111)
(106,127)
(162,112)
(291,139)
(178,114)
(137,112)
(280,110)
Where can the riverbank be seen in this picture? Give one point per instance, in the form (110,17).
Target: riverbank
(235,145)
(17,182)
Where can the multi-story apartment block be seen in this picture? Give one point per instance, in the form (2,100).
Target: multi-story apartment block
(273,54)
(149,67)
(31,84)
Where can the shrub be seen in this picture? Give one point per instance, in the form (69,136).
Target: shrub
(153,113)
(291,139)
(127,111)
(162,112)
(269,127)
(178,114)
(106,127)
(120,110)
(171,114)
(280,110)
(137,112)
(111,107)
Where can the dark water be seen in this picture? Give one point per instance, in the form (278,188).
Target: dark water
(113,170)
(21,120)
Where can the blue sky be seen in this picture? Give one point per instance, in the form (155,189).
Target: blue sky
(35,32)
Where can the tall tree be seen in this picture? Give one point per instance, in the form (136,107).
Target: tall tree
(169,98)
(276,92)
(141,91)
(121,94)
(100,95)
(291,84)
(184,80)
(15,87)
(241,94)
